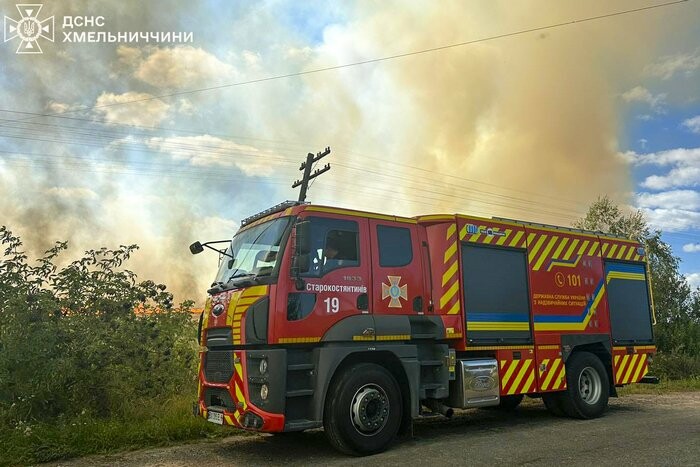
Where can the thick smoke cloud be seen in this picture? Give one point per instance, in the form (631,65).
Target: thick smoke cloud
(529,123)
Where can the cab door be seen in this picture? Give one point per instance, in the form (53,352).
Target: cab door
(398,286)
(333,301)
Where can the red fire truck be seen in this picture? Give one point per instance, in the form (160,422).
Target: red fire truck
(360,322)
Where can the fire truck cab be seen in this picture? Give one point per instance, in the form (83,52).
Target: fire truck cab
(360,322)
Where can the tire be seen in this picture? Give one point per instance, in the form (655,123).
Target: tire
(510,403)
(363,410)
(552,400)
(588,387)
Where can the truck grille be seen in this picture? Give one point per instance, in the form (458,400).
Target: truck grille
(218,366)
(219,398)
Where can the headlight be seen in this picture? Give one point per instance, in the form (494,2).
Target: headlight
(263,366)
(264,391)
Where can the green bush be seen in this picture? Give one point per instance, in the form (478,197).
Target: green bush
(670,366)
(86,341)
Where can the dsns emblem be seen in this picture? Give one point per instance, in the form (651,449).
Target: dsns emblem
(218,309)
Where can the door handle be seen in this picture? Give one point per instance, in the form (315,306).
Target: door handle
(363,302)
(368,332)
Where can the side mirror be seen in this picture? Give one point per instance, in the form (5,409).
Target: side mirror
(196,248)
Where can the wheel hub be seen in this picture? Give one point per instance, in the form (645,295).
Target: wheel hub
(370,409)
(590,386)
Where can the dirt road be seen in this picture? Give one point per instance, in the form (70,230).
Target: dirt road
(637,430)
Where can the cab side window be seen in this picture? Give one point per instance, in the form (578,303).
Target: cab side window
(335,244)
(395,249)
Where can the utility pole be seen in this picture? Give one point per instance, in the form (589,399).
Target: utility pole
(306,167)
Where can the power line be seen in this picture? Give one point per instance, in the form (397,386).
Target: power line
(373,60)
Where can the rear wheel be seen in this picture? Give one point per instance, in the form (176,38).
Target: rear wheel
(363,410)
(588,386)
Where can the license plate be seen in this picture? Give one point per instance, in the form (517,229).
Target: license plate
(216,417)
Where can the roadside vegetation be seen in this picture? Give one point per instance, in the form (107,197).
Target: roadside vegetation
(94,360)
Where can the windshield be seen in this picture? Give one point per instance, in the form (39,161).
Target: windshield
(255,251)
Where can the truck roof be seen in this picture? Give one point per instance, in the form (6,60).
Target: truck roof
(294,207)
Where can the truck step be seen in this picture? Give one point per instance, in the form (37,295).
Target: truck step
(300,366)
(648,379)
(301,424)
(300,393)
(431,362)
(429,386)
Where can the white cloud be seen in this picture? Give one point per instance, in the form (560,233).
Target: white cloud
(178,67)
(71,193)
(61,107)
(669,157)
(676,199)
(691,247)
(693,124)
(672,220)
(206,150)
(643,95)
(678,177)
(669,65)
(131,108)
(693,279)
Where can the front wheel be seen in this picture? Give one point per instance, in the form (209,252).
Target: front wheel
(587,386)
(363,410)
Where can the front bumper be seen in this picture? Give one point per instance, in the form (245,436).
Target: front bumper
(230,383)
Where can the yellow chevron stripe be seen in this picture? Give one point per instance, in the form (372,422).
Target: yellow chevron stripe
(248,300)
(570,251)
(454,310)
(509,372)
(517,238)
(621,251)
(559,249)
(528,383)
(521,375)
(604,248)
(449,294)
(530,238)
(630,252)
(257,290)
(584,245)
(536,248)
(620,368)
(617,357)
(450,252)
(613,249)
(503,238)
(503,362)
(631,367)
(463,232)
(559,381)
(545,362)
(451,231)
(545,253)
(550,374)
(642,361)
(591,252)
(449,274)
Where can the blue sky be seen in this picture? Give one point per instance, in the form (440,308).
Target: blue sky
(534,127)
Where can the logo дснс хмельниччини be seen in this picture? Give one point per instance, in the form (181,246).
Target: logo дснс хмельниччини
(29,28)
